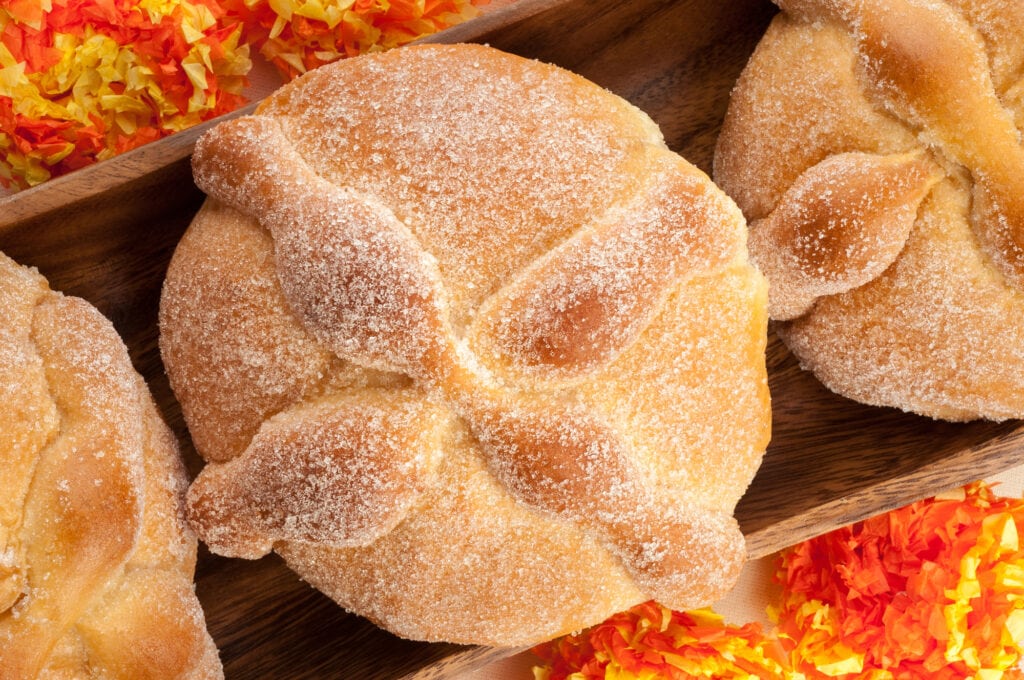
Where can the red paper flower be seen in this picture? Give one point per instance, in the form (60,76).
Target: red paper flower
(84,80)
(933,590)
(300,35)
(650,641)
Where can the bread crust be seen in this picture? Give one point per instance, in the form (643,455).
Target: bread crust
(876,150)
(97,558)
(533,328)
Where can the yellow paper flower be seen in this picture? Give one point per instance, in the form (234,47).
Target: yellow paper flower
(84,80)
(651,642)
(932,590)
(299,35)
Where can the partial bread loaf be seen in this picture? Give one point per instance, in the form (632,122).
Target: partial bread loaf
(469,347)
(96,559)
(875,146)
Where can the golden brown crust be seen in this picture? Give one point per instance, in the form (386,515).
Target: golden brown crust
(840,225)
(503,269)
(97,557)
(921,311)
(240,300)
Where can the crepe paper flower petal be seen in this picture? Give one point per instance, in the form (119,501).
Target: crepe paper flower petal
(300,35)
(650,641)
(932,590)
(84,80)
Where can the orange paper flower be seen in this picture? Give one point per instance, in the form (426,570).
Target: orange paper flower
(84,80)
(933,590)
(300,35)
(649,642)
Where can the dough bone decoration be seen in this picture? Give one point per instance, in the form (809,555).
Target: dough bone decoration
(97,560)
(892,232)
(929,66)
(338,288)
(356,278)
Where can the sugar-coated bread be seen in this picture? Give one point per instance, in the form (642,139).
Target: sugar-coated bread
(467,345)
(875,147)
(96,558)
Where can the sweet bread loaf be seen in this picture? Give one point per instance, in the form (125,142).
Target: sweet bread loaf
(467,345)
(876,149)
(96,559)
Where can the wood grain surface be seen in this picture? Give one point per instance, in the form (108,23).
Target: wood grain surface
(106,233)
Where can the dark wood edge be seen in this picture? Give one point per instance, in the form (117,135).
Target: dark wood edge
(472,30)
(473,658)
(1005,452)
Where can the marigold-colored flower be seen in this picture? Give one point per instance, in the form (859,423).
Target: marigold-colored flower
(932,590)
(300,35)
(84,80)
(650,642)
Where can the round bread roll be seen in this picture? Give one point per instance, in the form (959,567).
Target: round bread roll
(875,147)
(468,346)
(96,558)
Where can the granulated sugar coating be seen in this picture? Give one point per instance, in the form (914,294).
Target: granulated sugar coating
(510,352)
(96,559)
(876,148)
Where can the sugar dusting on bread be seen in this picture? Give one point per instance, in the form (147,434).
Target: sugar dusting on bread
(93,515)
(958,324)
(840,225)
(429,158)
(936,331)
(506,183)
(236,318)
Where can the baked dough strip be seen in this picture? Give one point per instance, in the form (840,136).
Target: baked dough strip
(839,226)
(98,563)
(929,66)
(90,471)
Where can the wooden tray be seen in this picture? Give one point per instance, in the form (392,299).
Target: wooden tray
(106,233)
